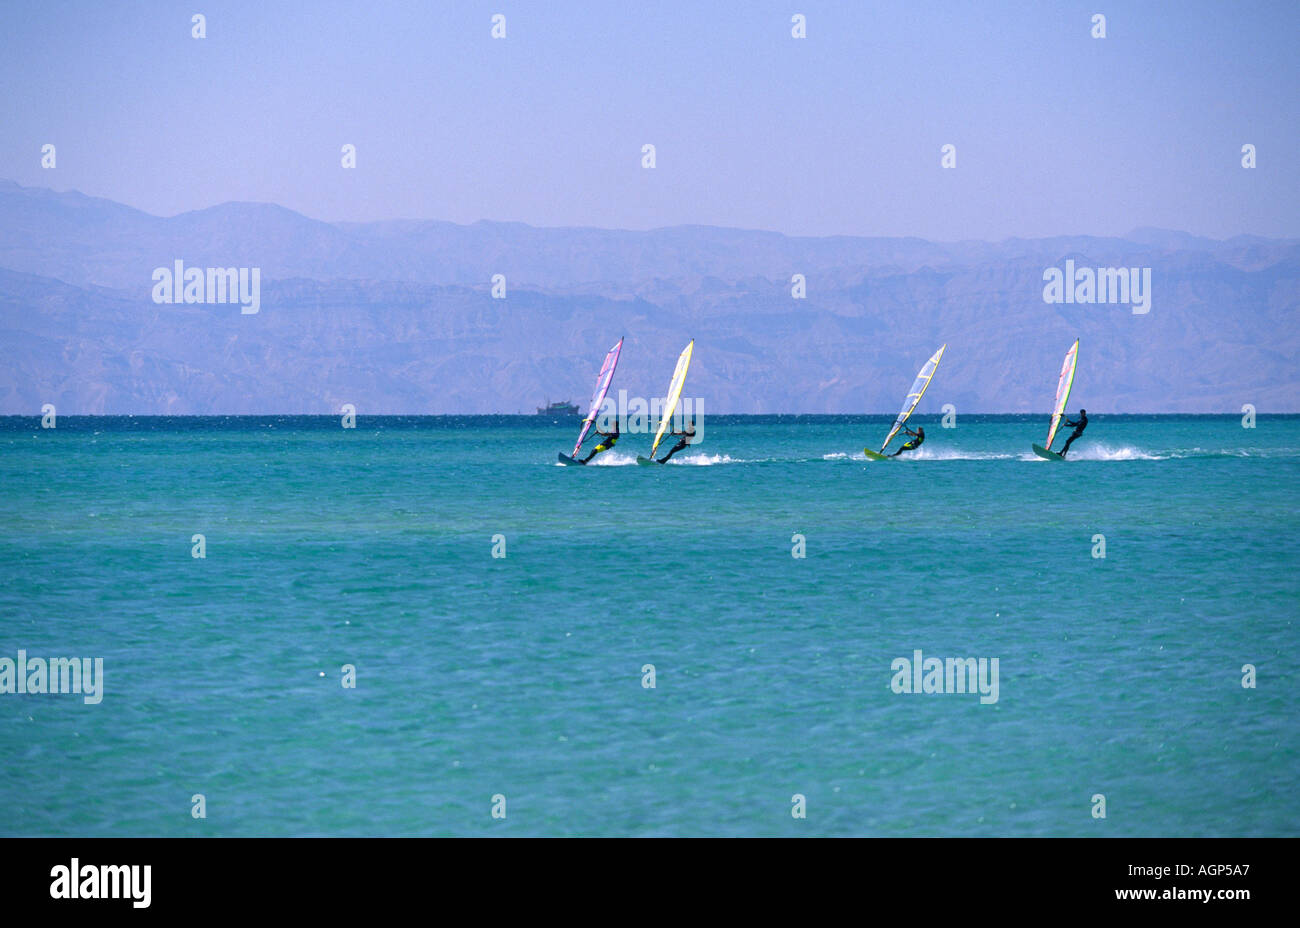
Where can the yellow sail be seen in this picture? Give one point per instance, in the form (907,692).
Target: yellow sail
(923,378)
(674,394)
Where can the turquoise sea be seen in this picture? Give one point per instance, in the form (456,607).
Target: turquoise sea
(521,676)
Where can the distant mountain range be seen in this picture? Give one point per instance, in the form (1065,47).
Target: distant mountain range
(398,317)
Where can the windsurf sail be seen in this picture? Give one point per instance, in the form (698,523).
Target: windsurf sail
(1063,387)
(603,380)
(674,394)
(923,378)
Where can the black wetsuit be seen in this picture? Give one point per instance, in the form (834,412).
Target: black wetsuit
(918,438)
(681,443)
(607,441)
(1078,430)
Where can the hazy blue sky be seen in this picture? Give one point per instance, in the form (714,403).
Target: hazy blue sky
(1056,132)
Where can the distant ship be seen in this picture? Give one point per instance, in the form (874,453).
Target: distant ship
(559,409)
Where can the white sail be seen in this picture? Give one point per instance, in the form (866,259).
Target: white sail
(603,380)
(1063,387)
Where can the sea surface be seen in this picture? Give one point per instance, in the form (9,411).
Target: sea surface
(524,677)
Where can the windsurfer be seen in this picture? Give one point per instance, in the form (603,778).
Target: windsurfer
(1078,426)
(608,439)
(687,435)
(917,438)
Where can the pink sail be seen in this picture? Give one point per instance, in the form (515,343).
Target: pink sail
(603,380)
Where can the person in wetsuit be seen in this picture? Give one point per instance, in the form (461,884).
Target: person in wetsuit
(1078,427)
(682,442)
(608,440)
(917,437)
